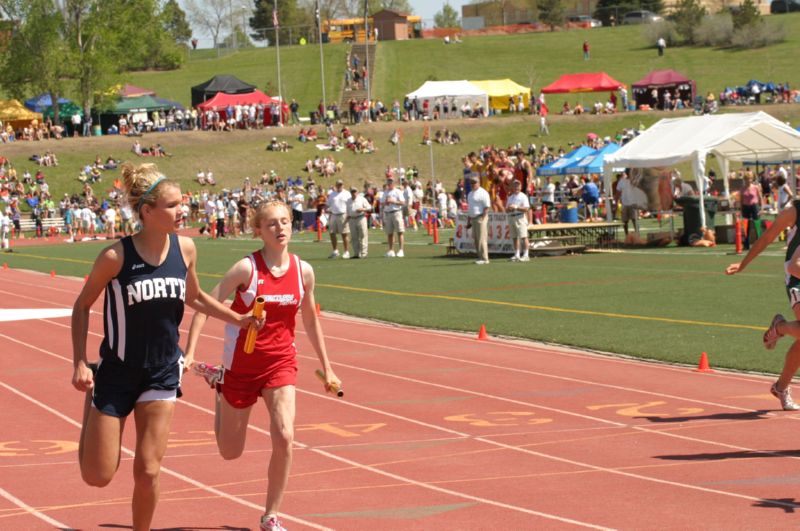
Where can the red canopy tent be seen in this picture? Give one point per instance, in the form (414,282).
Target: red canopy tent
(591,82)
(221,101)
(661,81)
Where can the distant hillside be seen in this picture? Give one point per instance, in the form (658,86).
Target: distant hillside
(534,59)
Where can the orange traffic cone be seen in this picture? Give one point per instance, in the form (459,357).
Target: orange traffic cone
(703,366)
(5,266)
(317,308)
(86,278)
(482,334)
(52,273)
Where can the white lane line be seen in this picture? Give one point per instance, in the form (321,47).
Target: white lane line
(329,455)
(33,512)
(27,314)
(166,470)
(539,454)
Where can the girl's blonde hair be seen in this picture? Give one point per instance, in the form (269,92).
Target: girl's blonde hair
(143,184)
(261,212)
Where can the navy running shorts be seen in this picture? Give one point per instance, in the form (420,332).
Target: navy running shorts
(117,387)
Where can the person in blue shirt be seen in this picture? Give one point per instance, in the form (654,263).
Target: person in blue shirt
(590,195)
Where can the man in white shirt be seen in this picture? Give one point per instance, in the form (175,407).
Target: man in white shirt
(517,206)
(478,205)
(627,197)
(110,219)
(337,221)
(392,202)
(358,208)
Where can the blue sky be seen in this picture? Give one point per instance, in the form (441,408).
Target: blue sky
(428,8)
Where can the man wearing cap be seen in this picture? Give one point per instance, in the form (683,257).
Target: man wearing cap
(337,221)
(478,205)
(391,205)
(358,208)
(517,206)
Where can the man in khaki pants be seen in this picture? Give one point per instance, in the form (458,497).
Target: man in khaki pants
(479,203)
(358,208)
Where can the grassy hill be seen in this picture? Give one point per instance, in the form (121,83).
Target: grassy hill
(534,59)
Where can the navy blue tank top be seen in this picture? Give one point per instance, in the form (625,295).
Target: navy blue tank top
(143,308)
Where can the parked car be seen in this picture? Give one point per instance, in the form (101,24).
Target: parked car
(585,21)
(784,6)
(640,17)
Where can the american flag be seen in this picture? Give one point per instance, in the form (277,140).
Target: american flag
(275,14)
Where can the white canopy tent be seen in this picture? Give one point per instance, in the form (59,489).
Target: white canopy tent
(729,137)
(461,91)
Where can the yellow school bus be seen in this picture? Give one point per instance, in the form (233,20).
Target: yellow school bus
(354,30)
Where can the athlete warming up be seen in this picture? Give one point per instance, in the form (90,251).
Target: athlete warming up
(147,279)
(286,284)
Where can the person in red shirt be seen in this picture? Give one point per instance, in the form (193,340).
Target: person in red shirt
(270,371)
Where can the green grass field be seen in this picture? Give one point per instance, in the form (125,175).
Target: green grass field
(665,304)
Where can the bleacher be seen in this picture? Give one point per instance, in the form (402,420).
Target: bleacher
(28,225)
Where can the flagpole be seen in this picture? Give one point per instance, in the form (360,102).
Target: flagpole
(321,58)
(278,51)
(366,60)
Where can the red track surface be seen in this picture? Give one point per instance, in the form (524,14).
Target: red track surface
(436,431)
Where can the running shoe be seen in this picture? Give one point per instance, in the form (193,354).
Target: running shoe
(400,254)
(271,523)
(212,374)
(390,254)
(346,255)
(334,254)
(525,258)
(771,336)
(785,397)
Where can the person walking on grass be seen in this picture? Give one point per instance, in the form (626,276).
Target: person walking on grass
(779,327)
(147,279)
(270,371)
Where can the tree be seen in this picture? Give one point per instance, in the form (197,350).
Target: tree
(447,17)
(746,15)
(288,15)
(551,12)
(355,8)
(687,16)
(213,16)
(174,21)
(36,58)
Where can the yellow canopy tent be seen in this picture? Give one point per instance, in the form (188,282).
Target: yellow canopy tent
(500,90)
(15,114)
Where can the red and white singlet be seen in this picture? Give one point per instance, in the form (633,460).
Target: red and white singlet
(275,341)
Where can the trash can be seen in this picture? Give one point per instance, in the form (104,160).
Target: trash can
(97,131)
(569,213)
(691,212)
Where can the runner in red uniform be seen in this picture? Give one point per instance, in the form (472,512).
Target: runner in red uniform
(270,371)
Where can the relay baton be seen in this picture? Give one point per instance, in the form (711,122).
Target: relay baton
(334,388)
(252,330)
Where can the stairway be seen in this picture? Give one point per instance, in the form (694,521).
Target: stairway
(361,50)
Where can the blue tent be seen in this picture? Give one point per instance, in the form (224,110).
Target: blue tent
(173,104)
(558,167)
(43,102)
(592,163)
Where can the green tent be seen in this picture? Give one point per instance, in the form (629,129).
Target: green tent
(138,104)
(65,111)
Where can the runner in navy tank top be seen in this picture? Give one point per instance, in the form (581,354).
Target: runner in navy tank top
(779,327)
(148,278)
(270,371)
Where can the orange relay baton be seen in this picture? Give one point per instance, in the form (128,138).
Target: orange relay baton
(334,388)
(252,331)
